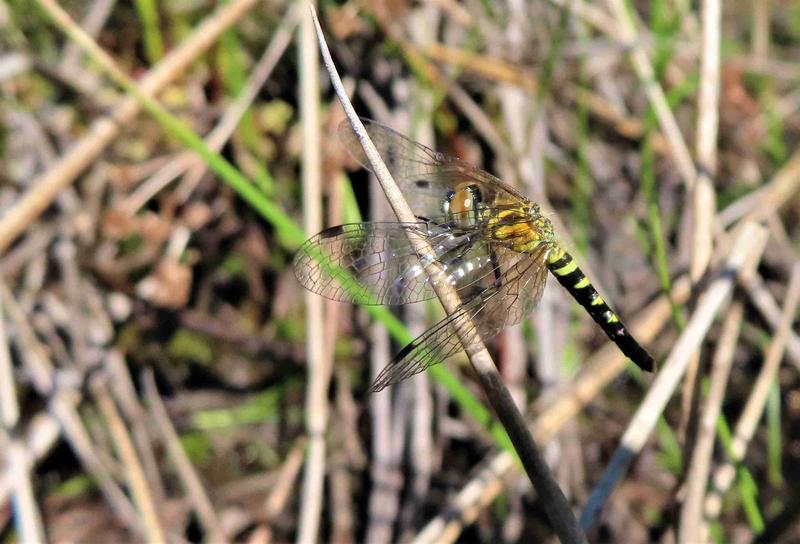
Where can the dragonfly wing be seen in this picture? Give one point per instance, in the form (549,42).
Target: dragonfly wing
(386,270)
(505,303)
(425,176)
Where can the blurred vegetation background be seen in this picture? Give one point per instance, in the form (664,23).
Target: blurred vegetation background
(162,373)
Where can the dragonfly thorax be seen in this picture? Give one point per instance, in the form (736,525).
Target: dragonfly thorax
(521,228)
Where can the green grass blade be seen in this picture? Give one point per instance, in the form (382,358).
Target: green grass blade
(153,43)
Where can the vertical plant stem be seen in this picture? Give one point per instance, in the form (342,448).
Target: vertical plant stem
(316,411)
(703,197)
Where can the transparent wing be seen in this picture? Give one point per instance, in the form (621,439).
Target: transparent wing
(386,270)
(425,176)
(505,303)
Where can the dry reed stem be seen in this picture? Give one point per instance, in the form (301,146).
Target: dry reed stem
(424,23)
(552,498)
(751,414)
(600,369)
(189,478)
(743,257)
(102,132)
(137,482)
(464,508)
(691,521)
(382,506)
(387,445)
(317,356)
(703,197)
(40,370)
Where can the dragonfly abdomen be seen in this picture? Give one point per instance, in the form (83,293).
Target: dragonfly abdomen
(566,271)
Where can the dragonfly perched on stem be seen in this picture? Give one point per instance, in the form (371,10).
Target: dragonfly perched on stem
(492,244)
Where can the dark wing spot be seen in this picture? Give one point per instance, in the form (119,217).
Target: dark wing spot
(332,232)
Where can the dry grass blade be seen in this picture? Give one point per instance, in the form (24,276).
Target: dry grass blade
(765,303)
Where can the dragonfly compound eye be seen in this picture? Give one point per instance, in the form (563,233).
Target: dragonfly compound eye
(463,203)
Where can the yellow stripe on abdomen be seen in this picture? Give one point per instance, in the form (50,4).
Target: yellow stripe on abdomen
(566,271)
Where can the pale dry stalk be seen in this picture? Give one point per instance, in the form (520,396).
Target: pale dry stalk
(318,358)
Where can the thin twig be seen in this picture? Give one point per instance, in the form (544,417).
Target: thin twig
(743,257)
(62,405)
(9,408)
(283,488)
(42,434)
(552,498)
(128,399)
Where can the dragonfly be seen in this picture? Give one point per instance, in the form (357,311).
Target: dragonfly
(491,244)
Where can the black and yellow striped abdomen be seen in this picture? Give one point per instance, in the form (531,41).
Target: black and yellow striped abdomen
(564,268)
